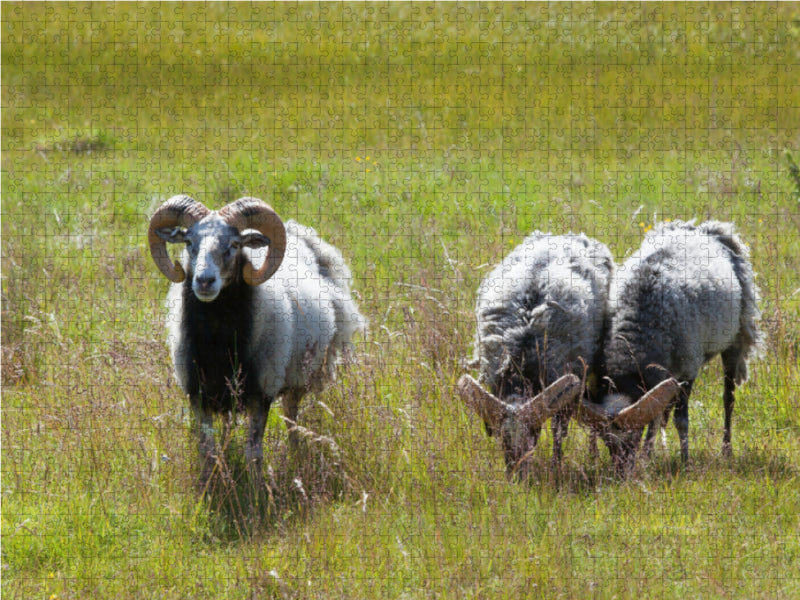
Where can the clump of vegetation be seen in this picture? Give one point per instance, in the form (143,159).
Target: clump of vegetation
(78,144)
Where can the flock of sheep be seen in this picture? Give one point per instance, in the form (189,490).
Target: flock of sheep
(562,332)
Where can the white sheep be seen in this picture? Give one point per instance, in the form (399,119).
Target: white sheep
(245,335)
(540,318)
(687,295)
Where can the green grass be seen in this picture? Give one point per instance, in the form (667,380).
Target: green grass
(481,123)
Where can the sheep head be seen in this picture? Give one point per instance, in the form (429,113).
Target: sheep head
(620,420)
(518,423)
(214,242)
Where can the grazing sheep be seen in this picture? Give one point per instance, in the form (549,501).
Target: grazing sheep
(540,318)
(686,296)
(241,334)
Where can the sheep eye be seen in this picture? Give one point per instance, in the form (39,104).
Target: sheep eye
(235,245)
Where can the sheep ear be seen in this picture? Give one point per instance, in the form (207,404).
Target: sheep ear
(649,406)
(490,408)
(172,235)
(554,398)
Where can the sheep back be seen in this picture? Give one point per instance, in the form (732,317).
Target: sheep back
(541,312)
(685,296)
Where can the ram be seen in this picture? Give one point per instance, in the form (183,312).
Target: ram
(687,295)
(243,334)
(540,318)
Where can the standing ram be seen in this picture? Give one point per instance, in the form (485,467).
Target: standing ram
(540,319)
(242,333)
(687,295)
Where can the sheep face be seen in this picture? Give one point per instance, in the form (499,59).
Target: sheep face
(213,257)
(518,419)
(518,441)
(619,441)
(620,418)
(214,241)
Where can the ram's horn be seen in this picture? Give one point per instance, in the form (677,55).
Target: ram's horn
(490,408)
(633,416)
(552,399)
(532,413)
(252,213)
(178,211)
(649,406)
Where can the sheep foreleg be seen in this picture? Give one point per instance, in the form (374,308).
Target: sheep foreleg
(649,437)
(681,419)
(206,445)
(559,425)
(255,450)
(291,403)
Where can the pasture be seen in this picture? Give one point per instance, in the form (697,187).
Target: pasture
(425,141)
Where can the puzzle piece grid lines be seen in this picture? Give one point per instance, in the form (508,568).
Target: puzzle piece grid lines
(425,141)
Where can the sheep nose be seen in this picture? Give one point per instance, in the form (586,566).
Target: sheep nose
(204,282)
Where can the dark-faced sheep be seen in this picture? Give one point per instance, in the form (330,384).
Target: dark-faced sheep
(540,319)
(244,334)
(687,295)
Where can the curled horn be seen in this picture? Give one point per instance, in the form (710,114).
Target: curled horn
(178,211)
(649,406)
(252,213)
(552,399)
(635,416)
(490,408)
(532,413)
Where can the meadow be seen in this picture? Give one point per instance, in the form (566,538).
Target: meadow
(424,140)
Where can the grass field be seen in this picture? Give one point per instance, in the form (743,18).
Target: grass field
(425,141)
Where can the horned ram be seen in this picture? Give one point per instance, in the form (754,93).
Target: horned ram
(243,334)
(687,295)
(540,317)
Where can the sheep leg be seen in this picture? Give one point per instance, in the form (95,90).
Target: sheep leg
(649,437)
(226,430)
(730,361)
(559,425)
(254,451)
(728,399)
(594,451)
(208,449)
(291,403)
(681,419)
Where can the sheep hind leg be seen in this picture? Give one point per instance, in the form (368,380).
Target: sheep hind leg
(730,361)
(681,419)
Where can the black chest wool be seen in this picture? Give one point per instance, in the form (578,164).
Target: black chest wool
(217,335)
